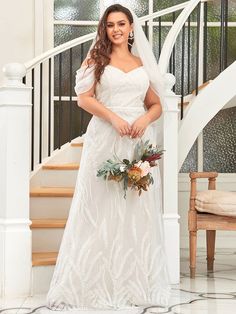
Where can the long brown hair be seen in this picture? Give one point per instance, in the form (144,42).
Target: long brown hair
(99,54)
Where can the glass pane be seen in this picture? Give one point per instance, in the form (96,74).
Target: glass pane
(140,7)
(213,52)
(190,163)
(89,9)
(64,33)
(219,142)
(214,8)
(188,59)
(232,10)
(231,44)
(213,11)
(160,5)
(76,10)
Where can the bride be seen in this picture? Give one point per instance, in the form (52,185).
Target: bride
(112,253)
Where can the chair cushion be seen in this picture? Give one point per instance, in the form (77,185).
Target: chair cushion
(216,202)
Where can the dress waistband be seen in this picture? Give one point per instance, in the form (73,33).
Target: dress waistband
(133,108)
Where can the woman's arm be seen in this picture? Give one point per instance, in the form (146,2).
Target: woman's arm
(153,104)
(154,111)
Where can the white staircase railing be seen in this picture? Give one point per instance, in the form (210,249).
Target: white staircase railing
(210,101)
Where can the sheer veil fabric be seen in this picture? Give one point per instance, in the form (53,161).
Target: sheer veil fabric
(112,255)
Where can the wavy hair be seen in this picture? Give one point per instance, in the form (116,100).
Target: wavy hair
(99,54)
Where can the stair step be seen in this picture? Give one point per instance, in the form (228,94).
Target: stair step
(201,87)
(49,207)
(44,258)
(52,192)
(184,103)
(64,166)
(48,223)
(76,144)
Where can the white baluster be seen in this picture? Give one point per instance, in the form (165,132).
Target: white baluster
(15,233)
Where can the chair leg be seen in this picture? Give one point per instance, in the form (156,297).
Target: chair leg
(210,239)
(193,251)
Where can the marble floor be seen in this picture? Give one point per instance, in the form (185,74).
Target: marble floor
(213,293)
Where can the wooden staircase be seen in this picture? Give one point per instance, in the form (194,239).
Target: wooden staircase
(44,258)
(44,229)
(52,192)
(193,94)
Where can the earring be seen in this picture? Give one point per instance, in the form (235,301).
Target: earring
(131,35)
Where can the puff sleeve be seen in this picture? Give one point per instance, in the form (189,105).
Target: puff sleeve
(84,79)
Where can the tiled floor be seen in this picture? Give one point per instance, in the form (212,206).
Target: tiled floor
(212,294)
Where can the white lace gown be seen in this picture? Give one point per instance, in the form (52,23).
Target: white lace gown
(112,253)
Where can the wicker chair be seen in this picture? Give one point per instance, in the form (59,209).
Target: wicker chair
(212,217)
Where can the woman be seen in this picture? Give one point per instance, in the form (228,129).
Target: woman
(112,253)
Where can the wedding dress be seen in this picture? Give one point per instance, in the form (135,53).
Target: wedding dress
(112,253)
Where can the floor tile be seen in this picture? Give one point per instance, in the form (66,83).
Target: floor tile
(211,293)
(11,304)
(206,307)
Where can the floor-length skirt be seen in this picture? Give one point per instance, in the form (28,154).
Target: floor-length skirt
(112,254)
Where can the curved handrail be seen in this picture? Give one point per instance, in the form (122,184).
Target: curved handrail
(55,51)
(194,119)
(83,39)
(173,33)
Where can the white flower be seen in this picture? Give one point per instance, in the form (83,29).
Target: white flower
(138,164)
(144,166)
(122,168)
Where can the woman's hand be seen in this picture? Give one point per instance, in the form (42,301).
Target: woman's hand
(121,126)
(139,126)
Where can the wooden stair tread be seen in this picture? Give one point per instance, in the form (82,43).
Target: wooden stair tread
(62,166)
(52,192)
(184,103)
(76,144)
(48,223)
(201,87)
(44,258)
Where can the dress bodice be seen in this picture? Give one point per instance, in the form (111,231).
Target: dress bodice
(122,89)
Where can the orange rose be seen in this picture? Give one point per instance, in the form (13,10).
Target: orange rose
(134,173)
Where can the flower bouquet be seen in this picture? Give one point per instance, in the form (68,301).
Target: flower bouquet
(134,174)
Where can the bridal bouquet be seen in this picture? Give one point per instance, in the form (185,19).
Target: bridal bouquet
(133,174)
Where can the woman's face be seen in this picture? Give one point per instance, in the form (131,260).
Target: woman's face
(118,28)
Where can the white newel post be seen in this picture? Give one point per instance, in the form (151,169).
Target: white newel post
(15,233)
(170,179)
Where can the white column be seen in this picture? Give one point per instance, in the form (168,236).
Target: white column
(15,234)
(170,179)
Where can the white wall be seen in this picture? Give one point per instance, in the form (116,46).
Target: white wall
(24,34)
(16,32)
